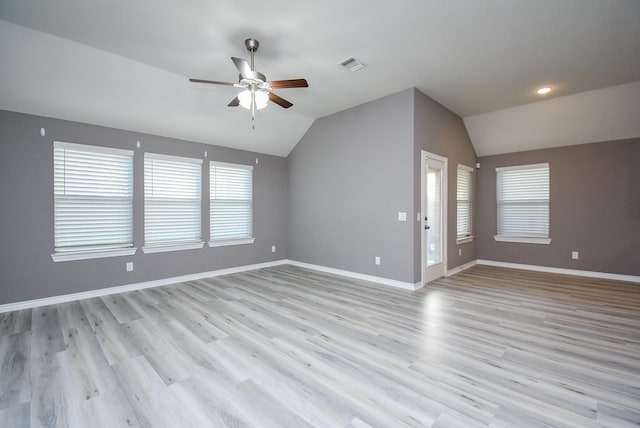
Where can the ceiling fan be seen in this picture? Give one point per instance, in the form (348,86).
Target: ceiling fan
(256,89)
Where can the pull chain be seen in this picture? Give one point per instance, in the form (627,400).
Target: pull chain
(253,108)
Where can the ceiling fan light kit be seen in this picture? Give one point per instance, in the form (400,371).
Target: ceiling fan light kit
(257,91)
(248,97)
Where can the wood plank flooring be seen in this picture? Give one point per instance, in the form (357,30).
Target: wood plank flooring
(290,347)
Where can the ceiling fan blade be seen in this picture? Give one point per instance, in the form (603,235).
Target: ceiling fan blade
(243,67)
(279,100)
(234,102)
(215,82)
(291,83)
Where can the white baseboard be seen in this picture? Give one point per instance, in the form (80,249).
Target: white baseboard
(575,272)
(377,279)
(132,287)
(461,267)
(356,275)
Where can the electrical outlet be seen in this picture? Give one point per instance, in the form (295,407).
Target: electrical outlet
(377,260)
(273,248)
(459,251)
(129,266)
(575,255)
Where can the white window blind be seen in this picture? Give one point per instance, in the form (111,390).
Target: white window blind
(93,198)
(464,189)
(231,195)
(172,200)
(523,201)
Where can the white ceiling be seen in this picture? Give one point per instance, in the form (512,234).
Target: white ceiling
(606,114)
(125,63)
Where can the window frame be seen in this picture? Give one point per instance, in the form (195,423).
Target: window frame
(524,238)
(250,239)
(94,251)
(160,246)
(468,237)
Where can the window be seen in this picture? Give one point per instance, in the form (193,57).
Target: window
(172,203)
(93,201)
(464,204)
(231,195)
(523,203)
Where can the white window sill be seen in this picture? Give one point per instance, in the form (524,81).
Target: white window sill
(225,242)
(523,239)
(464,240)
(86,255)
(172,247)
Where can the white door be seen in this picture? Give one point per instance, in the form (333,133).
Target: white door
(434,177)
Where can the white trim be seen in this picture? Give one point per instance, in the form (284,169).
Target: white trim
(89,148)
(465,239)
(8,307)
(518,167)
(172,158)
(86,255)
(192,277)
(225,242)
(171,247)
(133,287)
(423,205)
(460,268)
(522,239)
(356,275)
(564,271)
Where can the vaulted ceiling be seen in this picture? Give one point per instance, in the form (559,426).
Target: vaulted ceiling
(125,64)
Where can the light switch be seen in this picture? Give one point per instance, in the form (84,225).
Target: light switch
(402,216)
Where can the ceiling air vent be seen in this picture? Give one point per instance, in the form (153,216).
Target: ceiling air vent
(351,64)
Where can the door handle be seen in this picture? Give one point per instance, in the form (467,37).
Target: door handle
(427,227)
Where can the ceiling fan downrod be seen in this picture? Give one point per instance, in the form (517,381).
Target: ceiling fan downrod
(252,46)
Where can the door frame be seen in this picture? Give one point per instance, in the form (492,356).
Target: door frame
(423,206)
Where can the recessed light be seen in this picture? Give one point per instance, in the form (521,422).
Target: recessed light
(544,90)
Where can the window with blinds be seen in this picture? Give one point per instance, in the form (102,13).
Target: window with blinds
(523,202)
(231,208)
(172,202)
(464,197)
(93,199)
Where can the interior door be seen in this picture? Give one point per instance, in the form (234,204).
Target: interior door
(434,224)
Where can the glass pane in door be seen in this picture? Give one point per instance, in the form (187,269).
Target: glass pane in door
(434,244)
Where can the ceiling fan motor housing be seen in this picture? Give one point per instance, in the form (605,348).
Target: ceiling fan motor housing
(252,45)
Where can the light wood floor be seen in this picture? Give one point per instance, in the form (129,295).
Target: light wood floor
(289,347)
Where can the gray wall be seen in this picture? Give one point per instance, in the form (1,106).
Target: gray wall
(355,170)
(594,208)
(26,211)
(333,202)
(442,132)
(349,176)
